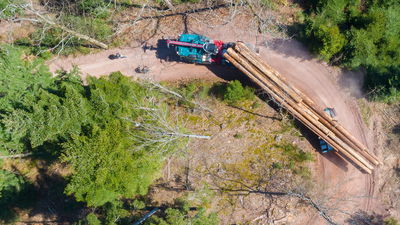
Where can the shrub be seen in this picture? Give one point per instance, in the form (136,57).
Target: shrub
(11,190)
(181,214)
(92,219)
(327,40)
(235,93)
(94,27)
(391,221)
(96,8)
(357,34)
(10,184)
(7,10)
(218,90)
(238,136)
(39,43)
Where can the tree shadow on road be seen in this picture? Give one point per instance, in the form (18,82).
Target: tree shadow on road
(364,218)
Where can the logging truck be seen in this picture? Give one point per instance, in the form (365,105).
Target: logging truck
(199,49)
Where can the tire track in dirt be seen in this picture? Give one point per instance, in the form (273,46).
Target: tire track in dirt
(317,81)
(369,142)
(290,58)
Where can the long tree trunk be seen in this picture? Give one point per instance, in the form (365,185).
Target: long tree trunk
(45,20)
(15,156)
(169,4)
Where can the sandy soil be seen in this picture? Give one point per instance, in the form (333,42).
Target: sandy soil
(343,184)
(339,179)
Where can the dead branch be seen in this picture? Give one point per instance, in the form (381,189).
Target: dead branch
(154,127)
(40,18)
(16,156)
(166,90)
(169,4)
(188,135)
(321,211)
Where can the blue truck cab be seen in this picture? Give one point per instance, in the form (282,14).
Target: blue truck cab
(193,54)
(325,147)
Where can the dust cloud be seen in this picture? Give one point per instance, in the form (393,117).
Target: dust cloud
(352,82)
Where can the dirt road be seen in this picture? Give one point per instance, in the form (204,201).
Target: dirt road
(339,179)
(341,182)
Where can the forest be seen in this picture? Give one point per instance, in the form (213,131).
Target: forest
(113,133)
(99,146)
(358,35)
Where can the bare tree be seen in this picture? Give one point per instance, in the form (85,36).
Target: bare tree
(177,95)
(155,128)
(36,16)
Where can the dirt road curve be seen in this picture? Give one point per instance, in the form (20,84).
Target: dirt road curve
(338,179)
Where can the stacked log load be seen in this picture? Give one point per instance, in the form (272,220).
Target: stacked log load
(301,106)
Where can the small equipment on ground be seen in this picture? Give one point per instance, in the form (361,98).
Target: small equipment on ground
(142,69)
(116,56)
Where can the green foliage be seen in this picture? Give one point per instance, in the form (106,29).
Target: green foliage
(385,84)
(118,154)
(267,3)
(391,221)
(42,43)
(114,148)
(194,89)
(137,204)
(189,90)
(8,10)
(36,108)
(113,211)
(20,78)
(218,90)
(372,31)
(294,153)
(15,193)
(178,217)
(238,135)
(235,93)
(183,216)
(92,219)
(103,168)
(93,27)
(87,17)
(265,166)
(327,39)
(10,185)
(96,8)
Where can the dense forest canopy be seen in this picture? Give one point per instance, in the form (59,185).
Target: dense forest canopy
(359,34)
(113,133)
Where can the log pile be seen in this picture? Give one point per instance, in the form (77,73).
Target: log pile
(301,107)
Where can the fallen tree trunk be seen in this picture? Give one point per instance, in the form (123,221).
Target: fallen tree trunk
(45,20)
(16,156)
